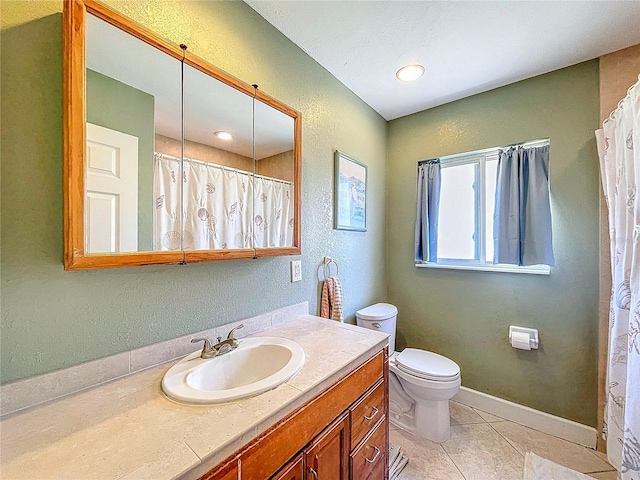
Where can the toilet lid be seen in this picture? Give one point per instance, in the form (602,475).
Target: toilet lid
(379,311)
(427,365)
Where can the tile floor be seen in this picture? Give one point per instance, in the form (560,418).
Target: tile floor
(485,447)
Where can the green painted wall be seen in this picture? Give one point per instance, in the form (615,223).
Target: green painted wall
(53,319)
(118,106)
(465,315)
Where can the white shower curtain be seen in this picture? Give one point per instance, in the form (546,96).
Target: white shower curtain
(166,194)
(224,208)
(273,213)
(619,151)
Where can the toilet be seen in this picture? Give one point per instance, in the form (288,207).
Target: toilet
(420,382)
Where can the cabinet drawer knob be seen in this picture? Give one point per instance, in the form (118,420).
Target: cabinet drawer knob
(375,456)
(374,412)
(314,473)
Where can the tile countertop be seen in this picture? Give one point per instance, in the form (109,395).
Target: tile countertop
(127,429)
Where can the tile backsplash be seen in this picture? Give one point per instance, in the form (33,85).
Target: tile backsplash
(33,391)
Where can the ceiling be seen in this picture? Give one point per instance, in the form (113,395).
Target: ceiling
(466,47)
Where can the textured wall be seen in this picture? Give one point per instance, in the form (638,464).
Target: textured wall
(118,106)
(53,319)
(200,151)
(277,166)
(618,71)
(465,314)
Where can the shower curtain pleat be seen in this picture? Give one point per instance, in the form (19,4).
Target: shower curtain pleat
(166,218)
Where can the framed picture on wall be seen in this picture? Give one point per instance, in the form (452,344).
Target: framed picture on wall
(350,194)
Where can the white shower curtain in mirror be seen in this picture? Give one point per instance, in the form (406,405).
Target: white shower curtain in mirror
(166,194)
(224,208)
(273,213)
(619,151)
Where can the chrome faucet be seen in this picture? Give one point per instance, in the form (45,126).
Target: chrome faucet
(220,348)
(207,351)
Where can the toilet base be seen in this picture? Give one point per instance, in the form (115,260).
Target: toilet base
(427,419)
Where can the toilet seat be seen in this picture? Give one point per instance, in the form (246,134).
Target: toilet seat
(427,365)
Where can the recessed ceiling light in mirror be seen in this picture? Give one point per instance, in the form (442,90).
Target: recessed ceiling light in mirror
(410,72)
(222,135)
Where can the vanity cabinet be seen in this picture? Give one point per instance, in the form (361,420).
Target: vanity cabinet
(229,472)
(328,456)
(370,454)
(342,433)
(294,470)
(369,433)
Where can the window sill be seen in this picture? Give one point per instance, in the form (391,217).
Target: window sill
(531,270)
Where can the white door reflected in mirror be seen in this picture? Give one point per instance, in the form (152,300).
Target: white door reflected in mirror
(111,203)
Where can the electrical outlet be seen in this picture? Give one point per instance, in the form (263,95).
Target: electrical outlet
(296,270)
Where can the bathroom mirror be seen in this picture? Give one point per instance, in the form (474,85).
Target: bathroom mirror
(167,158)
(133,108)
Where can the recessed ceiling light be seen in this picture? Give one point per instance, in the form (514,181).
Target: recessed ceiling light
(410,72)
(222,135)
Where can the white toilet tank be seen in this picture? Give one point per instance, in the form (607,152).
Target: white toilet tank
(381,317)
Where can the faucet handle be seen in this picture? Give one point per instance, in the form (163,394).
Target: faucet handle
(207,343)
(230,336)
(207,351)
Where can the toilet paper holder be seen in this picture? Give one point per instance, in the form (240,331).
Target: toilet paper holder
(516,340)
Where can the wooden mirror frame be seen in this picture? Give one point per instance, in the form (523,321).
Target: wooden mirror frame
(74,146)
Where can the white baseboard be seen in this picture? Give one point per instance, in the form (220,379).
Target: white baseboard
(541,421)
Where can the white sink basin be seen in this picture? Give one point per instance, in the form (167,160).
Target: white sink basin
(257,365)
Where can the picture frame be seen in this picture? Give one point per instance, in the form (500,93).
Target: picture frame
(349,193)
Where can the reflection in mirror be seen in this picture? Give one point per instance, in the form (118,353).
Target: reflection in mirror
(273,205)
(128,199)
(132,98)
(218,164)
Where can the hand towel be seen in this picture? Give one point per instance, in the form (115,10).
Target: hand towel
(331,304)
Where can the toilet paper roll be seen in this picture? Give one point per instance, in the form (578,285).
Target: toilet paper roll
(520,340)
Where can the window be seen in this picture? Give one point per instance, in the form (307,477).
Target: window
(465,219)
(467,197)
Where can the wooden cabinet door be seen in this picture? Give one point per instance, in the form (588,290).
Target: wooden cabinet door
(292,470)
(327,458)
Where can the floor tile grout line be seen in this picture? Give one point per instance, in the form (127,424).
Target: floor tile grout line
(586,448)
(507,440)
(482,420)
(452,460)
(478,414)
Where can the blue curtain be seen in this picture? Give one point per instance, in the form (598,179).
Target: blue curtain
(522,218)
(426,244)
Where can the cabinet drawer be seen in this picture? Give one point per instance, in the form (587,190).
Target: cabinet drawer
(378,471)
(366,413)
(372,452)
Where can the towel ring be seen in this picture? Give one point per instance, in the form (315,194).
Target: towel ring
(326,267)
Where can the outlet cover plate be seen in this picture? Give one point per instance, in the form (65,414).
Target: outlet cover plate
(296,270)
